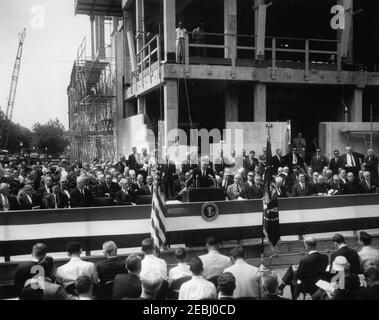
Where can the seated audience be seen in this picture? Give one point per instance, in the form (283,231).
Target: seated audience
(76,267)
(128,285)
(368,253)
(197,288)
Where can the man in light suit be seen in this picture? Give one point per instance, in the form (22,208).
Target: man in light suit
(234,190)
(7,202)
(350,161)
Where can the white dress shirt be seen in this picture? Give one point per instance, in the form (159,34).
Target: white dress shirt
(214,263)
(197,288)
(5,202)
(247,280)
(180,271)
(76,267)
(151,263)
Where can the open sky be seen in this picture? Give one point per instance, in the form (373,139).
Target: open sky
(49,52)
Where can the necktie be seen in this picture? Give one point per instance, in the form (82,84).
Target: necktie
(55,201)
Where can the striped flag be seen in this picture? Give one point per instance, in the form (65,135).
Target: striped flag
(271,227)
(158,215)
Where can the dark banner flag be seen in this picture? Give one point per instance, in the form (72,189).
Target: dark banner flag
(271,228)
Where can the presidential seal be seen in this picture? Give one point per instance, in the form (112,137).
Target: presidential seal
(209,211)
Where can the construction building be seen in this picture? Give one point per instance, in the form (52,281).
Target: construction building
(257,61)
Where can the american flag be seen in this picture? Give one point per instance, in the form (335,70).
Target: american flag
(270,223)
(158,214)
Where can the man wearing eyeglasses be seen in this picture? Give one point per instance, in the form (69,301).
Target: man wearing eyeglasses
(368,185)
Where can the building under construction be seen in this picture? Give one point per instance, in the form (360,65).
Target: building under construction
(257,61)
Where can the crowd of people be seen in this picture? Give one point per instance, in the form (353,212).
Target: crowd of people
(42,185)
(144,275)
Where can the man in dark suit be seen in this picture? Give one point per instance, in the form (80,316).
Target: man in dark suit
(312,267)
(27,198)
(343,250)
(221,163)
(128,285)
(202,177)
(126,196)
(186,164)
(107,188)
(112,266)
(371,164)
(7,202)
(122,164)
(335,162)
(321,188)
(277,161)
(133,160)
(351,186)
(350,161)
(81,196)
(301,188)
(23,271)
(293,159)
(319,161)
(56,199)
(148,188)
(368,185)
(250,163)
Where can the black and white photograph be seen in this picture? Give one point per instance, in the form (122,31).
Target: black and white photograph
(173,153)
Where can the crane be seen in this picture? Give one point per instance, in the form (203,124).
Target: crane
(12,91)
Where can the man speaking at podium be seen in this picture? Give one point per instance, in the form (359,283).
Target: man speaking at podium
(202,177)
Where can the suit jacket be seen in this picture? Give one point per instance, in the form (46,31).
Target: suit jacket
(311,269)
(102,189)
(350,187)
(257,191)
(109,268)
(351,256)
(297,191)
(233,191)
(120,166)
(249,165)
(23,274)
(318,164)
(146,190)
(277,161)
(334,164)
(289,159)
(78,200)
(49,201)
(356,160)
(123,199)
(13,203)
(371,164)
(25,204)
(247,191)
(365,189)
(126,286)
(320,188)
(199,180)
(133,162)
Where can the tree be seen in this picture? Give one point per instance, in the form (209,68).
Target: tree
(50,138)
(17,134)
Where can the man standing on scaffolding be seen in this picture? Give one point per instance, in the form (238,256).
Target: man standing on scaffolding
(180,43)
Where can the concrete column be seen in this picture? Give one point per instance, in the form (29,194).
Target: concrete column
(260,28)
(128,27)
(100,37)
(171,108)
(92,19)
(169,26)
(231,104)
(260,102)
(141,105)
(230,27)
(356,103)
(140,24)
(346,34)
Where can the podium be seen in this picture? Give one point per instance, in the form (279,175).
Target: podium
(204,194)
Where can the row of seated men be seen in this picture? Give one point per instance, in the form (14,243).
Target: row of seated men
(209,276)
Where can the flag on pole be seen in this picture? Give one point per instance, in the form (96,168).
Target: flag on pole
(158,215)
(271,228)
